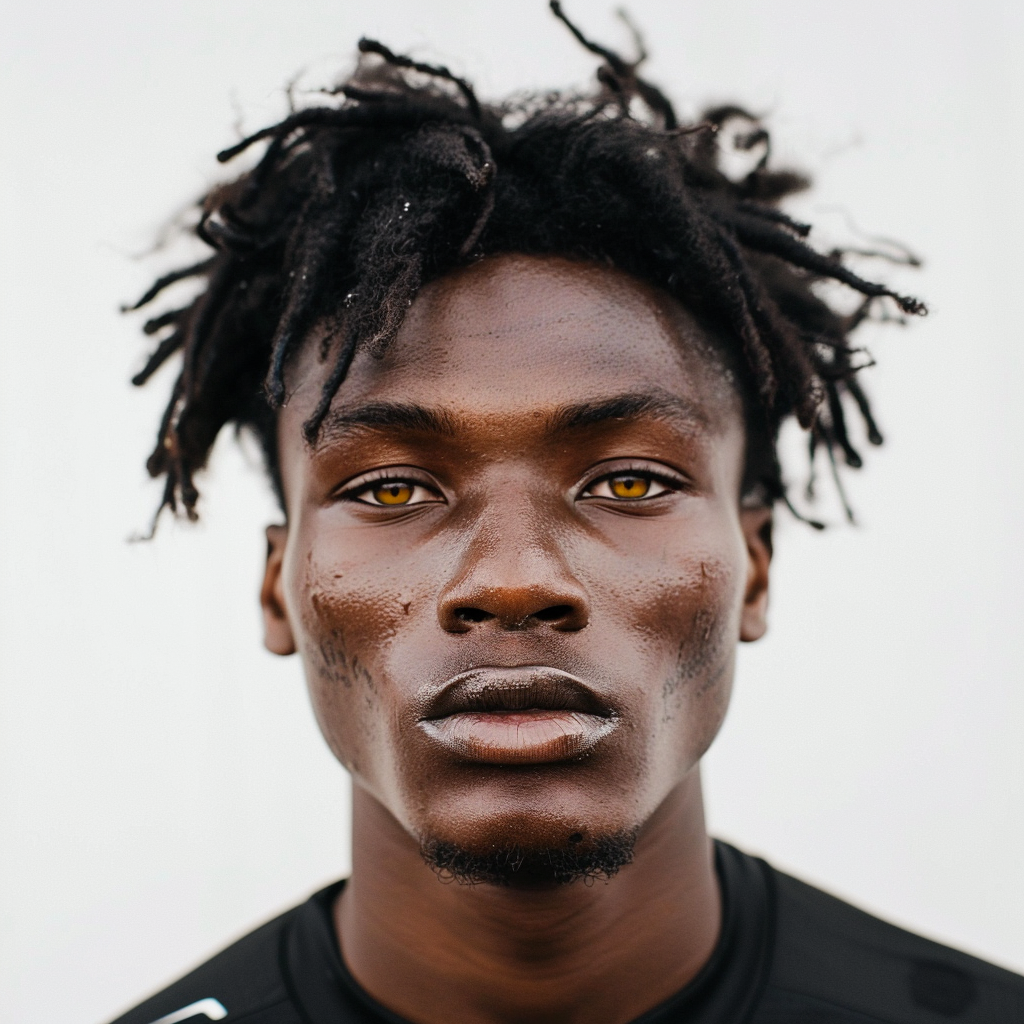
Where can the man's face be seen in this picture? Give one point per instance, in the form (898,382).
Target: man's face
(516,566)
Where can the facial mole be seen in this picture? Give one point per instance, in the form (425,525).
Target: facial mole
(576,837)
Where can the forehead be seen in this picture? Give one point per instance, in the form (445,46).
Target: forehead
(513,336)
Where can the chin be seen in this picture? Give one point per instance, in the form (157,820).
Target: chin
(527,846)
(577,859)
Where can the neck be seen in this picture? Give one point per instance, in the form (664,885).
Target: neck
(483,954)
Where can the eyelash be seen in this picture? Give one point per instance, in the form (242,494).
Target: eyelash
(670,484)
(384,478)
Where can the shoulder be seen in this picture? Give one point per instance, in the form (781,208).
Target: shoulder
(835,963)
(244,982)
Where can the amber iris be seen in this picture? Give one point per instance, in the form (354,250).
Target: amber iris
(397,493)
(629,486)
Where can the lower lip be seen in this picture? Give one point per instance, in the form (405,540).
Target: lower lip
(519,737)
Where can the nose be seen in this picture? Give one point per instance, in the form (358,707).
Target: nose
(512,582)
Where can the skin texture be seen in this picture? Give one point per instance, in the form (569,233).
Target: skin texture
(512,545)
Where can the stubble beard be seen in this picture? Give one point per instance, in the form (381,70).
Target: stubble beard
(516,866)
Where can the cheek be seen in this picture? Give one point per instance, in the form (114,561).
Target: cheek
(701,627)
(682,608)
(349,614)
(693,624)
(707,627)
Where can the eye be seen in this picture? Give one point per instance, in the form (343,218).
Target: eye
(396,493)
(391,492)
(632,485)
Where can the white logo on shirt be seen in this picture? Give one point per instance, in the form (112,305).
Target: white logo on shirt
(209,1008)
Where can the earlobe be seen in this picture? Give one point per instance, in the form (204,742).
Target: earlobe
(757,531)
(277,631)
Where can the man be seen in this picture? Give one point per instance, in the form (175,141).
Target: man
(518,373)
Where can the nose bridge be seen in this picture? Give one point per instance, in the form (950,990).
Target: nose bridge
(513,568)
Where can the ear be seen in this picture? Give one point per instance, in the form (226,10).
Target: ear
(277,631)
(757,531)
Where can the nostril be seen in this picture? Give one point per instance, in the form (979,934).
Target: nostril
(554,613)
(472,615)
(515,615)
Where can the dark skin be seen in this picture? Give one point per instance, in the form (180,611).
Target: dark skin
(540,480)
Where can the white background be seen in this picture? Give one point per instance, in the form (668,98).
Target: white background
(162,784)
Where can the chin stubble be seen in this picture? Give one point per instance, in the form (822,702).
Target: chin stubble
(514,865)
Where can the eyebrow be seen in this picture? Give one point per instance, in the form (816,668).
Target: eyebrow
(388,415)
(631,405)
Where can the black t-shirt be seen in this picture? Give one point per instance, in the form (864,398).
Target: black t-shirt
(787,954)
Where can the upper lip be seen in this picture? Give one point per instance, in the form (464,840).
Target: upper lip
(517,688)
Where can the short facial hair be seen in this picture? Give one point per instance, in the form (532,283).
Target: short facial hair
(598,858)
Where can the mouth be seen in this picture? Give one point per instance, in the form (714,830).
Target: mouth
(528,714)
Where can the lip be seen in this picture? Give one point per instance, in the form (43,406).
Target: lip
(527,714)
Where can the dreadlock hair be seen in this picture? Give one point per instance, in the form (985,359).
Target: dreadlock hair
(400,174)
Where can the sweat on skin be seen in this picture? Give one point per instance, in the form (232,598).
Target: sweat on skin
(469,506)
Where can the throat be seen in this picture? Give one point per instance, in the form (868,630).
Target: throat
(615,939)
